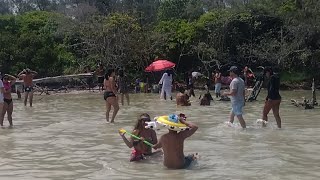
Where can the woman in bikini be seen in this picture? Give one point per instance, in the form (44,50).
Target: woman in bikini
(8,81)
(139,148)
(110,94)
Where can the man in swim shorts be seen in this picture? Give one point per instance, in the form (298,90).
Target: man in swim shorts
(172,145)
(100,73)
(237,93)
(27,76)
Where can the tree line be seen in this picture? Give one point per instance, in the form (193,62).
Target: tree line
(58,37)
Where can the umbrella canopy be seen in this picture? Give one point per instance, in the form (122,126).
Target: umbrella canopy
(160,65)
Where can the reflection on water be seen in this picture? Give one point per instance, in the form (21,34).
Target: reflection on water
(66,137)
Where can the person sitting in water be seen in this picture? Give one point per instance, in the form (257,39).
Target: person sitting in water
(182,98)
(206,99)
(27,76)
(172,145)
(140,149)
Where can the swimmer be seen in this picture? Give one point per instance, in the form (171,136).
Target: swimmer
(182,99)
(206,99)
(110,95)
(27,76)
(8,82)
(141,149)
(172,146)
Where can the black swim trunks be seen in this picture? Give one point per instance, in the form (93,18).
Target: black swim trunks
(8,101)
(108,94)
(188,160)
(100,79)
(28,89)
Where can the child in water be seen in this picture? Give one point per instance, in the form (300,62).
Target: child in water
(172,144)
(140,149)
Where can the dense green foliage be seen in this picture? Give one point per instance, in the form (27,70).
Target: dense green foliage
(64,36)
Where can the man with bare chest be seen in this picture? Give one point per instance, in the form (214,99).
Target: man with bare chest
(182,99)
(27,76)
(172,146)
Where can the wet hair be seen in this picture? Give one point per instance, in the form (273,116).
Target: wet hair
(169,72)
(108,74)
(4,77)
(139,122)
(28,71)
(181,89)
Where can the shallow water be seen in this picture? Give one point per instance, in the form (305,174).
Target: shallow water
(65,137)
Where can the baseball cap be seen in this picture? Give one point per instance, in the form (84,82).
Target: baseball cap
(233,69)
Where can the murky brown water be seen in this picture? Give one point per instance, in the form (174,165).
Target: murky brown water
(66,137)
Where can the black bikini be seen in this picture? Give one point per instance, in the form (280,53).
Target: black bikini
(8,101)
(28,89)
(108,94)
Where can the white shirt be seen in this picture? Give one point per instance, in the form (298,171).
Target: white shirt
(1,93)
(166,80)
(238,85)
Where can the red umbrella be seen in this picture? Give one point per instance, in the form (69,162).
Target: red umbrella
(160,65)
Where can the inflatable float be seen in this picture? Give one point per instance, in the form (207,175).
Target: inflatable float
(171,122)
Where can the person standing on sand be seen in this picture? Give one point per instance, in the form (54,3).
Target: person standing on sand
(8,82)
(237,93)
(110,94)
(27,76)
(123,87)
(100,73)
(273,98)
(166,82)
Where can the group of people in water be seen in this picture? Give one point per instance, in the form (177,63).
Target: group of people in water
(171,142)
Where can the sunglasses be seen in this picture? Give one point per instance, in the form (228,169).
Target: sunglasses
(146,119)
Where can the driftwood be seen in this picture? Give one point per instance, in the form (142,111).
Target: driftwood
(60,83)
(305,103)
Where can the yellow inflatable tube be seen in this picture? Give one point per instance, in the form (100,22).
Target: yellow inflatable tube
(164,121)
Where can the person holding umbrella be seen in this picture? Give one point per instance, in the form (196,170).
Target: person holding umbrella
(166,82)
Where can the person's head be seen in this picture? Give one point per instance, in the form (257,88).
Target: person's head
(121,73)
(110,73)
(141,122)
(169,72)
(268,71)
(181,89)
(5,78)
(28,71)
(234,71)
(217,71)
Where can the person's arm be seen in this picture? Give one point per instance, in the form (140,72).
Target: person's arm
(125,140)
(233,90)
(162,78)
(154,137)
(158,145)
(21,74)
(34,73)
(12,79)
(188,133)
(113,85)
